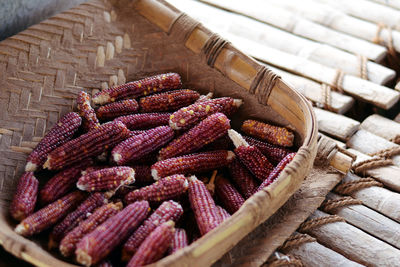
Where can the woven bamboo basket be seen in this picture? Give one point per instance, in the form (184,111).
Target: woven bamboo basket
(103,43)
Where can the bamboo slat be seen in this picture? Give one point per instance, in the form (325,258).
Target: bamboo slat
(383,127)
(391,3)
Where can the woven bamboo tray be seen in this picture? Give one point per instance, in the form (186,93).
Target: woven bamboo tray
(103,43)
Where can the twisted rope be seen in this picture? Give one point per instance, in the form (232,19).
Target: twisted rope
(296,240)
(347,188)
(308,225)
(387,153)
(363,61)
(372,163)
(393,58)
(332,204)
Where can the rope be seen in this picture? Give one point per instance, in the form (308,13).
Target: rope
(296,240)
(368,164)
(262,84)
(347,188)
(338,81)
(326,96)
(212,48)
(393,58)
(387,153)
(395,139)
(285,260)
(331,204)
(363,67)
(308,225)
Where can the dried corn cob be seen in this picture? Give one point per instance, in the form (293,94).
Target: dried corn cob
(273,134)
(169,101)
(155,245)
(100,215)
(146,86)
(136,132)
(222,213)
(116,109)
(143,174)
(203,206)
(277,170)
(251,157)
(106,179)
(91,169)
(164,189)
(274,153)
(49,215)
(243,179)
(192,163)
(61,132)
(168,210)
(63,182)
(179,241)
(228,195)
(144,121)
(74,218)
(137,146)
(25,196)
(96,245)
(202,134)
(189,116)
(105,263)
(86,111)
(87,145)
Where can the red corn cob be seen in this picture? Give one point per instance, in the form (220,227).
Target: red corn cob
(116,109)
(277,170)
(202,134)
(144,121)
(87,145)
(25,196)
(91,169)
(273,134)
(228,195)
(243,179)
(169,101)
(143,174)
(164,189)
(61,132)
(179,241)
(49,215)
(74,218)
(203,206)
(189,116)
(63,182)
(273,152)
(100,215)
(155,245)
(137,146)
(106,179)
(146,86)
(222,213)
(168,210)
(136,132)
(96,245)
(105,263)
(192,163)
(251,157)
(86,111)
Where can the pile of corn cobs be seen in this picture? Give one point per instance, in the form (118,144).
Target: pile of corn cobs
(128,181)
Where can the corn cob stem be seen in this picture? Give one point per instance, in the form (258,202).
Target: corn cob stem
(228,195)
(86,111)
(273,134)
(98,244)
(243,179)
(222,213)
(154,246)
(61,132)
(274,153)
(144,121)
(277,170)
(49,215)
(116,109)
(106,179)
(169,101)
(179,241)
(211,183)
(25,196)
(146,86)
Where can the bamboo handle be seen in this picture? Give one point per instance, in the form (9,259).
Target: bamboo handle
(341,162)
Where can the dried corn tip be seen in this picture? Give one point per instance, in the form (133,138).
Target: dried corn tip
(106,179)
(273,152)
(49,215)
(164,189)
(96,245)
(87,145)
(86,111)
(251,157)
(168,210)
(222,213)
(146,86)
(105,263)
(143,174)
(116,109)
(228,195)
(144,121)
(273,134)
(207,131)
(243,179)
(277,170)
(203,206)
(179,241)
(61,132)
(25,196)
(100,215)
(192,163)
(169,101)
(154,246)
(137,146)
(205,97)
(63,182)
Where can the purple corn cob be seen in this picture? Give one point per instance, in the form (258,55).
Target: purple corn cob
(144,121)
(86,111)
(106,179)
(61,132)
(243,179)
(143,174)
(116,109)
(179,241)
(87,145)
(222,213)
(25,196)
(228,195)
(277,170)
(169,101)
(273,152)
(137,146)
(273,134)
(146,86)
(98,244)
(91,169)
